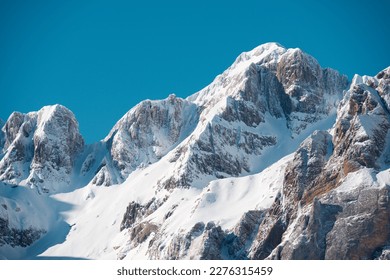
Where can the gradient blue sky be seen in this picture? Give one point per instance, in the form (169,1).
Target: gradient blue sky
(100,58)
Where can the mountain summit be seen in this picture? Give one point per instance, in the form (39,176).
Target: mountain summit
(277,158)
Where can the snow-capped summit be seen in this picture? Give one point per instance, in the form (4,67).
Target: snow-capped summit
(270,84)
(268,95)
(268,53)
(144,135)
(40,148)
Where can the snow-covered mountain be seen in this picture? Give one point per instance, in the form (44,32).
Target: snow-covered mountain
(275,156)
(144,135)
(40,148)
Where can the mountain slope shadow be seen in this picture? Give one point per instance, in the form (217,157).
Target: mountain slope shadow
(30,218)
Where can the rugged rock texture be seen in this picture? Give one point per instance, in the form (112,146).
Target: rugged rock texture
(313,91)
(333,204)
(238,241)
(308,163)
(270,232)
(382,84)
(203,242)
(212,241)
(144,135)
(17,151)
(309,237)
(384,253)
(208,242)
(135,212)
(363,226)
(41,146)
(17,237)
(268,84)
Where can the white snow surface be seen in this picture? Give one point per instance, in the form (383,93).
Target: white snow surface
(97,211)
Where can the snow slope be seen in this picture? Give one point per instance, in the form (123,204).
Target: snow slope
(98,212)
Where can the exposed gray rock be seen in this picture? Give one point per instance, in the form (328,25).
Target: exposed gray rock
(316,217)
(313,91)
(105,174)
(362,226)
(210,238)
(135,212)
(11,127)
(18,147)
(179,246)
(41,146)
(383,85)
(212,242)
(384,254)
(17,237)
(308,238)
(300,176)
(141,232)
(309,161)
(237,242)
(248,223)
(270,232)
(57,142)
(349,224)
(144,135)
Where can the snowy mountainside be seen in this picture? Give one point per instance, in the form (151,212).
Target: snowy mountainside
(251,108)
(164,217)
(270,159)
(143,136)
(335,198)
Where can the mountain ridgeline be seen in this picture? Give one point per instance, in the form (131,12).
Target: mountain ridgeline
(277,158)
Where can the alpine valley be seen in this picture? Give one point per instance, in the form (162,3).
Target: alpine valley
(277,158)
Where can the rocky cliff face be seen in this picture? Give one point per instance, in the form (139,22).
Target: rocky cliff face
(268,94)
(2,135)
(277,158)
(335,194)
(144,135)
(40,148)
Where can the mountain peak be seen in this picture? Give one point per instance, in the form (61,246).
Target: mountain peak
(144,135)
(41,147)
(266,47)
(272,50)
(47,112)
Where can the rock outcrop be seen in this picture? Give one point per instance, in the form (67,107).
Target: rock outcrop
(335,204)
(144,135)
(18,237)
(41,148)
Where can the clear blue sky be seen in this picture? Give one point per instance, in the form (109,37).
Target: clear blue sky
(100,58)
